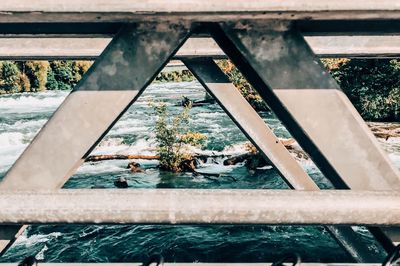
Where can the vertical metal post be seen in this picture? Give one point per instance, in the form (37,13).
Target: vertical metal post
(125,68)
(277,61)
(253,126)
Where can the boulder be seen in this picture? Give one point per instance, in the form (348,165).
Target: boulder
(121,182)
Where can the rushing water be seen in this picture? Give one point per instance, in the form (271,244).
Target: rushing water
(21,116)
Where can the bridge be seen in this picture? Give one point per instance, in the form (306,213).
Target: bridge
(275,44)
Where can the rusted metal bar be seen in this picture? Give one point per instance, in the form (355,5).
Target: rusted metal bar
(113,83)
(254,127)
(209,206)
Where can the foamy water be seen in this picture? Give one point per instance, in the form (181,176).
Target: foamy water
(22,116)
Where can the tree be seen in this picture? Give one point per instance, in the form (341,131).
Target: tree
(9,77)
(52,83)
(372,85)
(63,73)
(37,74)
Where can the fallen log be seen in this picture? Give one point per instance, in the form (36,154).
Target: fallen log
(238,159)
(253,158)
(385,131)
(96,158)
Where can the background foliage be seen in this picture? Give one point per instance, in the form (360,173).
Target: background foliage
(373,85)
(33,76)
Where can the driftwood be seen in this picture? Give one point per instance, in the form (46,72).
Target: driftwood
(385,131)
(238,159)
(135,167)
(253,158)
(187,102)
(96,158)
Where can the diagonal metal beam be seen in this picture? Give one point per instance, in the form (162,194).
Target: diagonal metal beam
(280,65)
(125,68)
(257,131)
(312,106)
(249,122)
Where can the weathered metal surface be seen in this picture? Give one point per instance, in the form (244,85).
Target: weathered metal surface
(90,48)
(254,127)
(191,206)
(250,123)
(310,103)
(69,29)
(125,10)
(197,264)
(123,71)
(366,46)
(281,66)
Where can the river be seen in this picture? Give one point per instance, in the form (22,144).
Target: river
(22,115)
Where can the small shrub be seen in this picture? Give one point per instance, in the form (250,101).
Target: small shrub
(173,135)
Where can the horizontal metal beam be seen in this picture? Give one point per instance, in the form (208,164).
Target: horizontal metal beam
(355,46)
(108,29)
(191,206)
(125,10)
(195,264)
(91,48)
(87,48)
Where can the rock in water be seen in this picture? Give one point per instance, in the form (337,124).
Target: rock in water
(121,183)
(158,259)
(186,101)
(28,261)
(98,187)
(135,167)
(189,165)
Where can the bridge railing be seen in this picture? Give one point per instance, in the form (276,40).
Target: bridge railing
(275,46)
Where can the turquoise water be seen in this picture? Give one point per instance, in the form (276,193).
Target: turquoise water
(21,116)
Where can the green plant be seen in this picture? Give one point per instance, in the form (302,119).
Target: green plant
(36,71)
(63,74)
(372,86)
(9,77)
(242,85)
(173,135)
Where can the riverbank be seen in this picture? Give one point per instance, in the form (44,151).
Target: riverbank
(372,85)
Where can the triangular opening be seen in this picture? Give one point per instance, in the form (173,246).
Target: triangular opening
(31,92)
(134,136)
(179,243)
